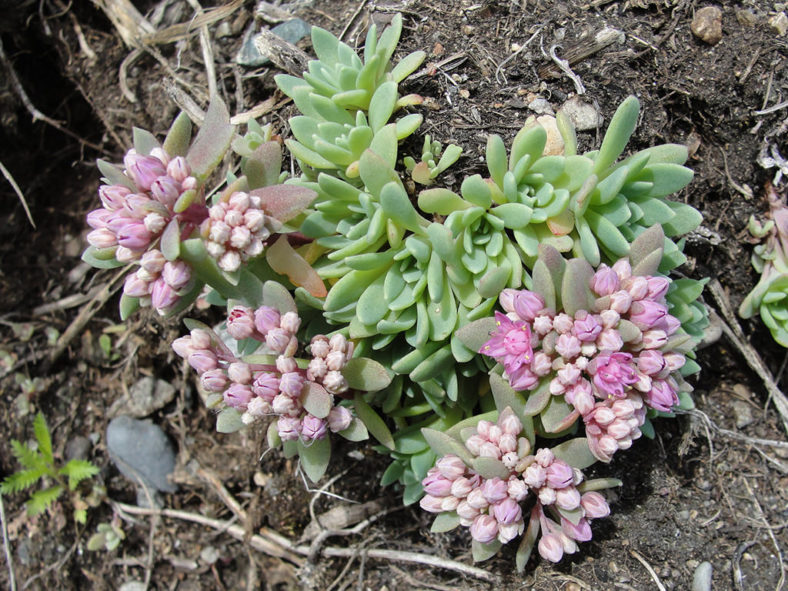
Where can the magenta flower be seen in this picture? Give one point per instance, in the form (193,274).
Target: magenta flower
(613,373)
(511,344)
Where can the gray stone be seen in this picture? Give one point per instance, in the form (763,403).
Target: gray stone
(701,580)
(779,23)
(541,106)
(582,115)
(292,31)
(742,413)
(141,451)
(78,448)
(707,25)
(145,397)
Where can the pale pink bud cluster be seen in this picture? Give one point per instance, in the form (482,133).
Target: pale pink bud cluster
(158,282)
(492,507)
(561,537)
(235,230)
(131,220)
(613,424)
(279,389)
(329,356)
(585,357)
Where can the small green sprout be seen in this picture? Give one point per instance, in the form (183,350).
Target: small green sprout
(39,465)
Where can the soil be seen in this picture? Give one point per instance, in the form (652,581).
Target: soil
(693,494)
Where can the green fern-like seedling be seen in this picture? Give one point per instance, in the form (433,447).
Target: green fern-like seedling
(39,464)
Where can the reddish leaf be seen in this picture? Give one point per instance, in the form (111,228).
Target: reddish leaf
(283,259)
(284,202)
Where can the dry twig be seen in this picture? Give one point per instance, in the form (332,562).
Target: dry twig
(9,177)
(733,331)
(781,581)
(649,568)
(8,558)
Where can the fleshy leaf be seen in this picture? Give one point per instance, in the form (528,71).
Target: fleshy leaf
(373,422)
(598,484)
(482,552)
(284,202)
(366,374)
(618,133)
(443,444)
(178,137)
(356,431)
(316,400)
(314,457)
(277,296)
(212,141)
(444,522)
(171,240)
(575,292)
(283,259)
(558,416)
(229,421)
(490,468)
(144,141)
(575,452)
(527,544)
(101,258)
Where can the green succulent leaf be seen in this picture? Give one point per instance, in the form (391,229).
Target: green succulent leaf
(443,445)
(445,522)
(366,374)
(229,421)
(314,457)
(212,141)
(527,544)
(575,452)
(482,552)
(179,136)
(144,141)
(373,422)
(407,65)
(618,133)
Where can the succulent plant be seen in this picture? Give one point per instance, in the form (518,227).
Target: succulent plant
(434,160)
(770,296)
(345,101)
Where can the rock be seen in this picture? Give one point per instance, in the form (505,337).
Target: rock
(133,586)
(292,31)
(541,106)
(746,17)
(141,451)
(779,23)
(707,25)
(555,143)
(78,448)
(145,397)
(742,414)
(701,580)
(582,115)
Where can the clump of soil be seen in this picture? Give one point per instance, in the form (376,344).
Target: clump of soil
(710,487)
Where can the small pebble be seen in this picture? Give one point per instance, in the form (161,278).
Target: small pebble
(145,397)
(78,448)
(541,106)
(707,25)
(742,413)
(701,580)
(582,115)
(555,143)
(292,31)
(141,451)
(779,23)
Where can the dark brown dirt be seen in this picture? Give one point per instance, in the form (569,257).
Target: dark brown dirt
(691,495)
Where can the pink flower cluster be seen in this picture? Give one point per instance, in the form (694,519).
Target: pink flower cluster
(608,363)
(279,389)
(491,507)
(235,230)
(131,221)
(158,282)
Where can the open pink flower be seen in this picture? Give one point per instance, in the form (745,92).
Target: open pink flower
(613,373)
(510,344)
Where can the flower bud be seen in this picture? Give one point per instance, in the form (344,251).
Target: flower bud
(610,340)
(542,324)
(133,235)
(527,304)
(559,474)
(98,218)
(277,339)
(603,416)
(657,288)
(335,360)
(541,365)
(257,407)
(605,281)
(517,489)
(594,505)
(580,532)
(484,529)
(240,237)
(647,314)
(431,504)
(509,531)
(317,369)
(551,548)
(338,342)
(266,386)
(230,261)
(143,170)
(177,274)
(166,190)
(319,347)
(465,511)
(674,361)
(436,484)
(237,396)
(544,457)
(240,323)
(313,428)
(650,362)
(289,428)
(563,323)
(178,168)
(489,450)
(623,269)
(153,261)
(507,443)
(339,419)
(509,422)
(461,487)
(284,405)
(476,499)
(450,466)
(102,238)
(162,295)
(286,364)
(654,339)
(291,383)
(240,373)
(449,503)
(254,220)
(473,444)
(506,299)
(546,495)
(507,511)
(661,397)
(233,218)
(203,360)
(586,327)
(610,318)
(266,319)
(214,380)
(534,476)
(637,287)
(113,197)
(201,339)
(136,287)
(620,301)
(239,201)
(495,489)
(335,382)
(567,498)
